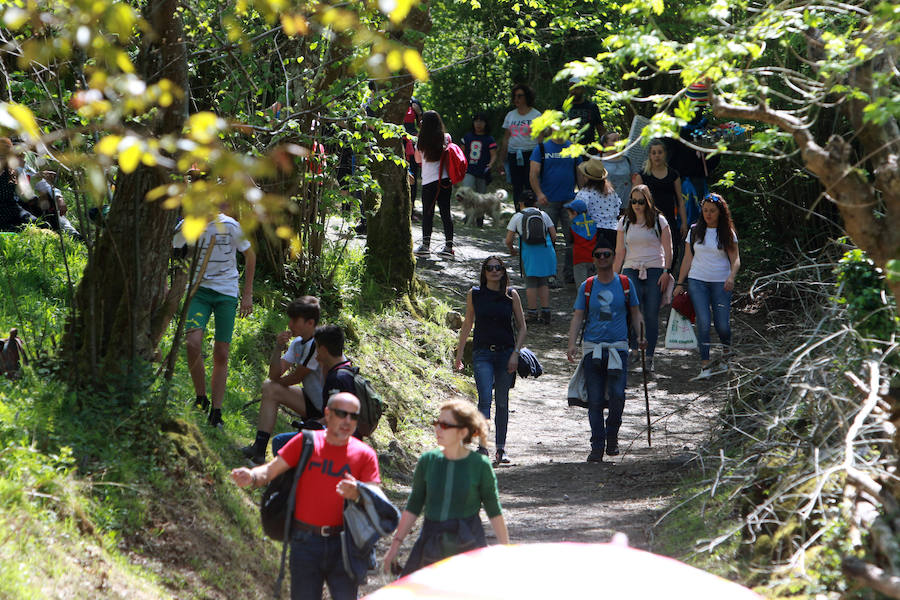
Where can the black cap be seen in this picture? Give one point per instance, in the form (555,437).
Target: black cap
(606,238)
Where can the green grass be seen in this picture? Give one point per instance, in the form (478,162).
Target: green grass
(106,497)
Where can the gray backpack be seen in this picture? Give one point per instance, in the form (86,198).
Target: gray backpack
(534,230)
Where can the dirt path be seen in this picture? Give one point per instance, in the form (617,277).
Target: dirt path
(549,492)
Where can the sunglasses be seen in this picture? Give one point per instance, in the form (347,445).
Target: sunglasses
(343,414)
(493,267)
(603,254)
(710,198)
(445,426)
(638,201)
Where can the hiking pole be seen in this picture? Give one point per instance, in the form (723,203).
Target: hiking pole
(646,393)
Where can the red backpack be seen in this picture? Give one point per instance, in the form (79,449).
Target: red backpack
(456,162)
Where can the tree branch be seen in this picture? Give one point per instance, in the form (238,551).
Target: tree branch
(870,575)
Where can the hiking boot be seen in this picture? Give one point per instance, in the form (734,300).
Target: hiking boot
(650,364)
(596,456)
(612,448)
(501,457)
(483,450)
(532,316)
(545,316)
(253,454)
(446,252)
(422,250)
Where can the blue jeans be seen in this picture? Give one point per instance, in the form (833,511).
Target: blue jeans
(314,561)
(710,297)
(562,221)
(650,297)
(605,389)
(280,440)
(492,379)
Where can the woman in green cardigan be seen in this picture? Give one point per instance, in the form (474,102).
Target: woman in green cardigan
(451,484)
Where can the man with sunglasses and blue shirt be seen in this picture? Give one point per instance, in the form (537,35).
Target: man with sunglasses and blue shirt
(605,316)
(338,463)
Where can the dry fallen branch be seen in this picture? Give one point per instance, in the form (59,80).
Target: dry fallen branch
(872,576)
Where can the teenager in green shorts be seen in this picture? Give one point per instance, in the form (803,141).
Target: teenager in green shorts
(216,295)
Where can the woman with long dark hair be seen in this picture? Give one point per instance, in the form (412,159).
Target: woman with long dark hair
(436,185)
(644,255)
(450,485)
(711,262)
(492,306)
(517,142)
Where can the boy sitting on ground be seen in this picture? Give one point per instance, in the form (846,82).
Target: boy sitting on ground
(335,368)
(295,378)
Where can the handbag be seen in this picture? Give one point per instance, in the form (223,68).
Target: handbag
(683,305)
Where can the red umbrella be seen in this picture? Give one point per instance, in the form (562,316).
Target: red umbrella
(559,572)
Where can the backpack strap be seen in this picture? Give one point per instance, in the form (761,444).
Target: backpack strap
(312,352)
(626,288)
(543,151)
(588,286)
(308,445)
(441,169)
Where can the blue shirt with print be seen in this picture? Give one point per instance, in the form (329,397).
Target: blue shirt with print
(607,316)
(558,174)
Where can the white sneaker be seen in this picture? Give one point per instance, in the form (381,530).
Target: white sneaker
(705,373)
(422,250)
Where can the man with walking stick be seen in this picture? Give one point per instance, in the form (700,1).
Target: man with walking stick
(604,307)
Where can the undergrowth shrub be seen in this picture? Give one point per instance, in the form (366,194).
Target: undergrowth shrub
(787,485)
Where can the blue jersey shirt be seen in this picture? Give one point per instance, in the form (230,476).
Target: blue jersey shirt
(607,313)
(558,174)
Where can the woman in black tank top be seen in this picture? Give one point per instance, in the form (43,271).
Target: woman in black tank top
(491,307)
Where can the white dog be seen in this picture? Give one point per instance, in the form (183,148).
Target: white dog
(476,205)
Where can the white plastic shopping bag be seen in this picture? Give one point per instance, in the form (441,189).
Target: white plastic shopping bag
(680,333)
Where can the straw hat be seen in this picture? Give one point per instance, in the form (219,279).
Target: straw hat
(593,169)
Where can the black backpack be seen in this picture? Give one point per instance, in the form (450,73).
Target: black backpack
(371,405)
(534,230)
(277,507)
(276,511)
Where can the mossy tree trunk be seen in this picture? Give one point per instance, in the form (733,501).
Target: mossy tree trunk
(124,288)
(389,253)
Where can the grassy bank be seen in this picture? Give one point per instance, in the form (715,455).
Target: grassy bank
(105,496)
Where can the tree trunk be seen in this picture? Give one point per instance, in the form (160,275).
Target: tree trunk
(389,256)
(124,286)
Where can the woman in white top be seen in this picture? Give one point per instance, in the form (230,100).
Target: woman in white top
(603,204)
(517,142)
(644,255)
(711,261)
(436,186)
